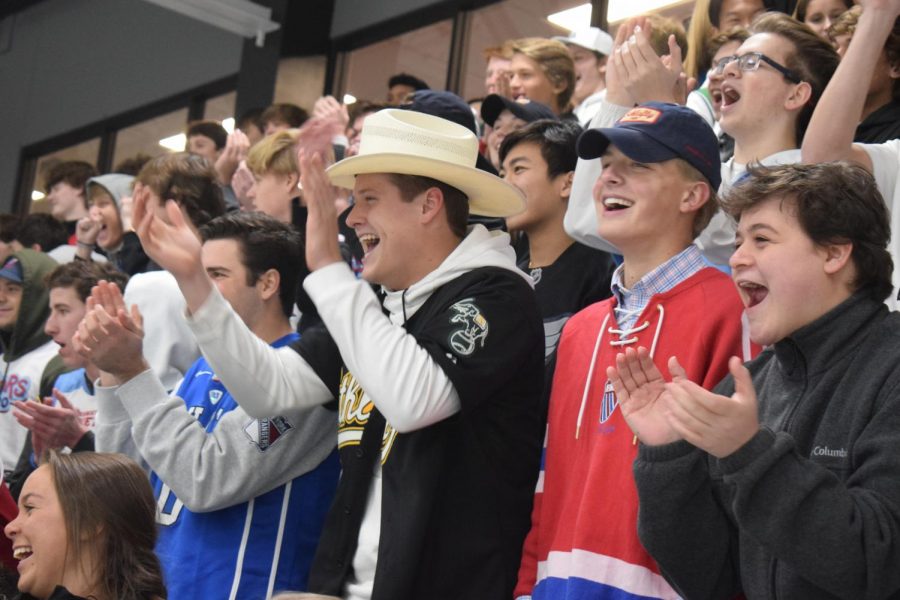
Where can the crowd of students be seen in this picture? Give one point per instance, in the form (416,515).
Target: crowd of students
(622,328)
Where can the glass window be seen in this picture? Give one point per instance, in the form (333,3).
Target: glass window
(86,151)
(423,53)
(145,137)
(221,108)
(507,20)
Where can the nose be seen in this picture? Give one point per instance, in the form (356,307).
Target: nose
(50,327)
(740,257)
(515,83)
(94,212)
(12,528)
(356,215)
(732,69)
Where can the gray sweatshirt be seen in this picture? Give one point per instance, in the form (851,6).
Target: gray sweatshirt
(810,506)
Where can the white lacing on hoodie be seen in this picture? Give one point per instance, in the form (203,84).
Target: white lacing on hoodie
(626,336)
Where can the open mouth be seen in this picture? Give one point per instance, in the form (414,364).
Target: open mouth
(22,552)
(616,204)
(753,292)
(369,241)
(729,96)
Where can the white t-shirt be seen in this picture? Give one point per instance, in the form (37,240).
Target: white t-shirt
(885,165)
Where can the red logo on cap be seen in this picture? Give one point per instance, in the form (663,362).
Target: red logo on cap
(641,115)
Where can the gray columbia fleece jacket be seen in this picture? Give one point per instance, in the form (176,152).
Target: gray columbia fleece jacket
(809,508)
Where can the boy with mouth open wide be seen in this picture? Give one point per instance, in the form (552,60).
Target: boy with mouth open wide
(784,481)
(438,380)
(656,193)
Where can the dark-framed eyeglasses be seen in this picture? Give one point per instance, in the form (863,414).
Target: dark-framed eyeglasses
(751,62)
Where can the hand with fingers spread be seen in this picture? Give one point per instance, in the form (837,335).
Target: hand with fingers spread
(236,147)
(174,245)
(322,247)
(616,76)
(110,336)
(51,426)
(644,75)
(641,390)
(716,424)
(316,139)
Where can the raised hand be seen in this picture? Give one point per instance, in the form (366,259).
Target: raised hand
(51,426)
(332,114)
(641,390)
(241,183)
(322,247)
(86,230)
(646,76)
(236,147)
(616,76)
(110,336)
(716,424)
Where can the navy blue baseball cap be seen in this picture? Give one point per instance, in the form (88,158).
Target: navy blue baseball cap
(445,105)
(658,131)
(527,110)
(12,270)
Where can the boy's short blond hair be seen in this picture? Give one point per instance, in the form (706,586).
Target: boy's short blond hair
(276,154)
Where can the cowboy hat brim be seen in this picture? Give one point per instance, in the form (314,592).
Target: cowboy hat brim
(489,196)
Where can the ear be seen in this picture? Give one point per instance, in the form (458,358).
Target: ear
(268,284)
(432,204)
(800,95)
(895,70)
(601,66)
(695,196)
(836,257)
(564,181)
(292,179)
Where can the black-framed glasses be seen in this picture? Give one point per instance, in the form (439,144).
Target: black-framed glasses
(751,62)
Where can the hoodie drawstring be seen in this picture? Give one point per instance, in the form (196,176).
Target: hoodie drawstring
(622,333)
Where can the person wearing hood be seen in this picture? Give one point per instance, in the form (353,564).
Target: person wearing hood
(437,378)
(107,228)
(656,194)
(30,362)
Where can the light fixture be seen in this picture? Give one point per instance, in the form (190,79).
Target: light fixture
(571,19)
(242,17)
(175,143)
(228,124)
(349,99)
(37,195)
(579,17)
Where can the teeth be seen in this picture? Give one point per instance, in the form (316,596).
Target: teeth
(368,241)
(22,552)
(617,203)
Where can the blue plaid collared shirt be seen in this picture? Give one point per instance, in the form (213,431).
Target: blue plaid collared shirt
(631,302)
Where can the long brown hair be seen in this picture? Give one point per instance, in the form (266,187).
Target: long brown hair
(108,504)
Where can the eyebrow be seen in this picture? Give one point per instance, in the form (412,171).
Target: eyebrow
(759,226)
(28,497)
(517,160)
(217,268)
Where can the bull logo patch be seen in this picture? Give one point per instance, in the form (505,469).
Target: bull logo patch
(609,402)
(474,330)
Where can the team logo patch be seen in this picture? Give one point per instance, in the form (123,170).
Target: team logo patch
(265,432)
(641,115)
(609,402)
(474,330)
(215,396)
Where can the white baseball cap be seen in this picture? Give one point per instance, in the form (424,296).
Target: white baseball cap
(592,38)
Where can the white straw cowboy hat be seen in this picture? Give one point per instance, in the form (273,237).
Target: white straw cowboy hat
(412,143)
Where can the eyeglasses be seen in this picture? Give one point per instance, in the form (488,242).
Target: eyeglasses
(751,62)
